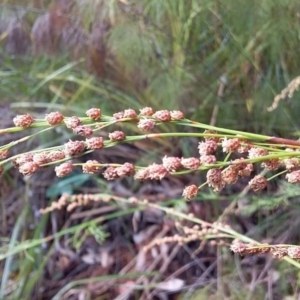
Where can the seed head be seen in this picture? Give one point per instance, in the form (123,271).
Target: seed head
(91,167)
(238,247)
(257,152)
(207,159)
(94,113)
(244,147)
(291,163)
(162,115)
(129,113)
(126,169)
(230,145)
(211,138)
(24,158)
(146,124)
(293,177)
(83,130)
(1,170)
(72,122)
(119,115)
(55,155)
(28,168)
(64,169)
(192,163)
(230,175)
(4,153)
(23,120)
(142,174)
(117,136)
(279,252)
(110,173)
(215,180)
(207,147)
(293,252)
(94,143)
(176,115)
(146,111)
(157,172)
(54,118)
(74,147)
(258,183)
(245,172)
(172,164)
(40,158)
(271,164)
(190,192)
(244,169)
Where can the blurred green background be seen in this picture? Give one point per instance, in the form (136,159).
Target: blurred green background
(190,55)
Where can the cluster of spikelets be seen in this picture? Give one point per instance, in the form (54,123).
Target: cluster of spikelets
(277,251)
(205,232)
(219,174)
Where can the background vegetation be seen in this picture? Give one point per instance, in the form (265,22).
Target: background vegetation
(220,62)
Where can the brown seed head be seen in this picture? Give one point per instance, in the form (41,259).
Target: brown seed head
(129,113)
(214,179)
(192,163)
(190,192)
(56,155)
(63,169)
(146,124)
(271,164)
(162,115)
(239,164)
(238,247)
(146,111)
(172,164)
(28,168)
(157,172)
(126,169)
(258,183)
(74,147)
(86,131)
(230,175)
(72,122)
(94,113)
(176,115)
(54,118)
(24,158)
(278,252)
(110,173)
(142,174)
(246,172)
(117,136)
(208,147)
(119,115)
(244,147)
(257,152)
(207,159)
(94,143)
(23,120)
(211,138)
(244,169)
(40,158)
(293,252)
(293,177)
(4,153)
(291,164)
(230,145)
(91,167)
